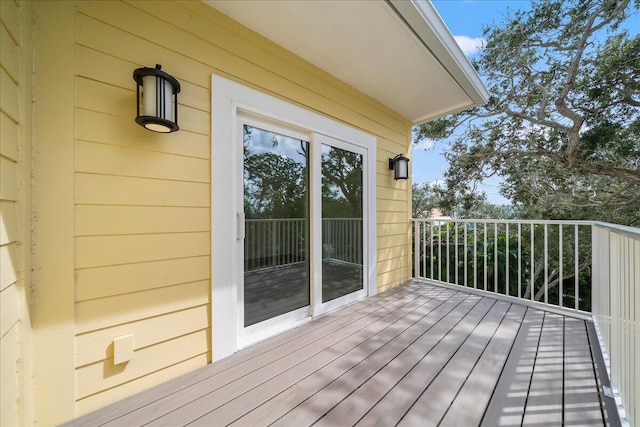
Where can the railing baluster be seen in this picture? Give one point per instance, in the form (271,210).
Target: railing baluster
(455,225)
(416,246)
(431,257)
(546,263)
(440,252)
(561,265)
(448,263)
(506,256)
(533,264)
(485,256)
(519,260)
(496,261)
(424,249)
(466,276)
(475,255)
(577,268)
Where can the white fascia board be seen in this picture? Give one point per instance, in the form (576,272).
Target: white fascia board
(425,22)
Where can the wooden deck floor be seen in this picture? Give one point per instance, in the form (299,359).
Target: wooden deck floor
(418,355)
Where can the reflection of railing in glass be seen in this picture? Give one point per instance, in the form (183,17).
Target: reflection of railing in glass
(274,242)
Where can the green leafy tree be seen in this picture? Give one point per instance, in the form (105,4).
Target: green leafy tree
(562,125)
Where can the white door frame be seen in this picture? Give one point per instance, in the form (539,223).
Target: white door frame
(229,97)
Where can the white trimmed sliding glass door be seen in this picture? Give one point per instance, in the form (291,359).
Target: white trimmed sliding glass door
(293,215)
(302,204)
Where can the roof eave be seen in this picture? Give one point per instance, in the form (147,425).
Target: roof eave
(424,21)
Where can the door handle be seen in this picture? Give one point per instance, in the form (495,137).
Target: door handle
(240,226)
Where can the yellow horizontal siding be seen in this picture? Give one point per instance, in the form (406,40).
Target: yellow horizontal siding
(100,282)
(116,101)
(126,161)
(120,132)
(9,177)
(392,241)
(8,137)
(14,108)
(119,190)
(100,376)
(9,356)
(9,54)
(106,220)
(99,251)
(8,222)
(98,345)
(142,216)
(97,401)
(9,309)
(10,17)
(9,262)
(10,96)
(95,65)
(116,310)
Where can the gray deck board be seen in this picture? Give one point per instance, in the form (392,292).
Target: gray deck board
(306,387)
(434,382)
(224,385)
(475,394)
(424,334)
(506,408)
(432,347)
(420,354)
(544,404)
(581,404)
(288,378)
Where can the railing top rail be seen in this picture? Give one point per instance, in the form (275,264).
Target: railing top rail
(299,219)
(504,221)
(632,231)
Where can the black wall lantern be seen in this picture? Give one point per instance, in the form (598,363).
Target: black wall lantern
(159,99)
(400,167)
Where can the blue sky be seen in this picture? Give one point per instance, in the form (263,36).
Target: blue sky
(465,19)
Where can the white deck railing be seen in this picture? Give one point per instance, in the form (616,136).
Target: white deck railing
(616,312)
(583,267)
(273,242)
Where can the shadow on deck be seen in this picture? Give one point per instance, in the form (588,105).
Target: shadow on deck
(420,354)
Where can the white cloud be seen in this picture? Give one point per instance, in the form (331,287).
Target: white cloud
(469,45)
(425,144)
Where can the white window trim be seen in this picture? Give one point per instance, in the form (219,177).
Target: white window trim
(227,98)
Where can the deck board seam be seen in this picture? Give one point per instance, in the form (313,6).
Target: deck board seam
(526,401)
(211,376)
(435,345)
(374,314)
(409,372)
(504,317)
(449,311)
(421,297)
(527,309)
(443,415)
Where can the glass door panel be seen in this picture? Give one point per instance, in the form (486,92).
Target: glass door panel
(342,204)
(276,208)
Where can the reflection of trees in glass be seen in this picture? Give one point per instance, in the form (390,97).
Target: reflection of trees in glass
(341,183)
(274,183)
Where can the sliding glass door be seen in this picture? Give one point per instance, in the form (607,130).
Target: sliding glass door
(342,204)
(303,217)
(276,211)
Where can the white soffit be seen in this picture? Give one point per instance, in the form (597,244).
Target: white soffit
(398,52)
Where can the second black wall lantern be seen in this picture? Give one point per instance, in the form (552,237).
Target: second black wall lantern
(400,167)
